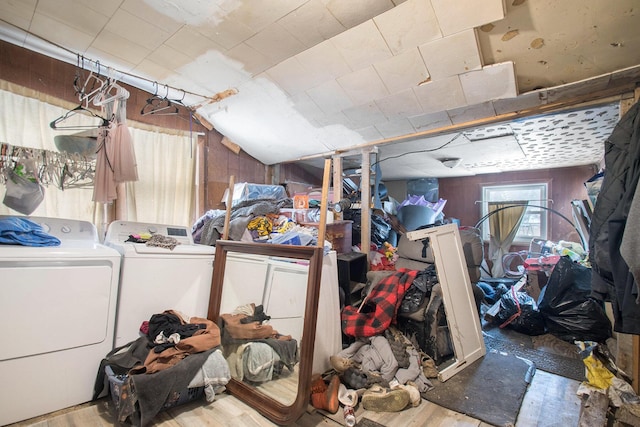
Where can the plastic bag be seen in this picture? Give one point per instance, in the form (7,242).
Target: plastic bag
(568,311)
(22,195)
(518,311)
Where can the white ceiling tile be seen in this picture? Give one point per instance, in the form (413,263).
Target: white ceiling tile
(258,14)
(330,97)
(108,59)
(120,47)
(191,42)
(370,133)
(363,85)
(217,73)
(365,115)
(424,122)
(440,95)
(492,82)
(401,104)
(105,7)
(275,43)
(78,16)
(324,58)
(337,118)
(395,128)
(311,23)
(64,35)
(362,46)
(459,15)
(289,75)
(470,113)
(18,13)
(305,106)
(253,62)
(169,57)
(402,71)
(141,9)
(158,71)
(354,12)
(421,145)
(408,25)
(226,32)
(140,32)
(455,54)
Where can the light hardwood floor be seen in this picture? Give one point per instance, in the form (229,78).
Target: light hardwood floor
(550,401)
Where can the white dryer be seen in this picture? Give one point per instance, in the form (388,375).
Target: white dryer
(154,279)
(57,310)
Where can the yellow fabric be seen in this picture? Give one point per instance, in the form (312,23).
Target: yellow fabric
(597,374)
(261,224)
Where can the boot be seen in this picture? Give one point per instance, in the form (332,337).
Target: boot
(325,397)
(380,399)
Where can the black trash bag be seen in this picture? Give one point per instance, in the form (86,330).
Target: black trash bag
(519,312)
(568,311)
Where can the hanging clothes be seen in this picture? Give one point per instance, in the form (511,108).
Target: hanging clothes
(124,162)
(104,185)
(116,160)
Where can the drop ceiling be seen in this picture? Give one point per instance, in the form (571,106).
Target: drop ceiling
(416,81)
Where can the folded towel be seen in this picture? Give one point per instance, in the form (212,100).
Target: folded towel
(21,231)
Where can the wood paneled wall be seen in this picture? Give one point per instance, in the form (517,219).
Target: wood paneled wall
(461,194)
(52,77)
(565,185)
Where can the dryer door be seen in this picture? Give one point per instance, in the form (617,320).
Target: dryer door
(49,306)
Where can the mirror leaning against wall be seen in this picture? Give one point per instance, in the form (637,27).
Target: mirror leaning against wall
(264,298)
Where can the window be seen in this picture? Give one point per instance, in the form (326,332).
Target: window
(534,222)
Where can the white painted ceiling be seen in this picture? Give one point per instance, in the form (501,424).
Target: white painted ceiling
(318,77)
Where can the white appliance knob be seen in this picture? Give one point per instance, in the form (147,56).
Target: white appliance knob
(153,230)
(65,229)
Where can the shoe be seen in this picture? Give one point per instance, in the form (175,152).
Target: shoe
(325,396)
(414,393)
(380,399)
(428,366)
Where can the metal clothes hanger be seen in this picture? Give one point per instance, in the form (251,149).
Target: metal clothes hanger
(159,106)
(111,91)
(80,109)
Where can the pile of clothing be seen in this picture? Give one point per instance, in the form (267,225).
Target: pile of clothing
(174,355)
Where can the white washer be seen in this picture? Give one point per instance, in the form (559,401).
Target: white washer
(57,311)
(154,279)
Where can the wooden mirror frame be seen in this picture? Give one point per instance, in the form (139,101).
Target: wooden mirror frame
(267,406)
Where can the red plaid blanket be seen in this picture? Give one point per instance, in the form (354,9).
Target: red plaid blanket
(380,308)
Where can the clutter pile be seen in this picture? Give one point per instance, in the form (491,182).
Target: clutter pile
(175,360)
(383,373)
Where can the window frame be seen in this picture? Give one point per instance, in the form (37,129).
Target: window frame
(541,210)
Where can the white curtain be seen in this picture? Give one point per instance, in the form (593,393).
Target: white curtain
(166,162)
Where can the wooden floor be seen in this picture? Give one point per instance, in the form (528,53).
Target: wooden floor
(550,401)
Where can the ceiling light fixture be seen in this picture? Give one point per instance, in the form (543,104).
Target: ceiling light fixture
(451,163)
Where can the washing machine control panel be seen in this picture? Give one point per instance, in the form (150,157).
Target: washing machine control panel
(67,229)
(119,231)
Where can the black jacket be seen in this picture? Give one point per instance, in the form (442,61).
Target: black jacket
(611,278)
